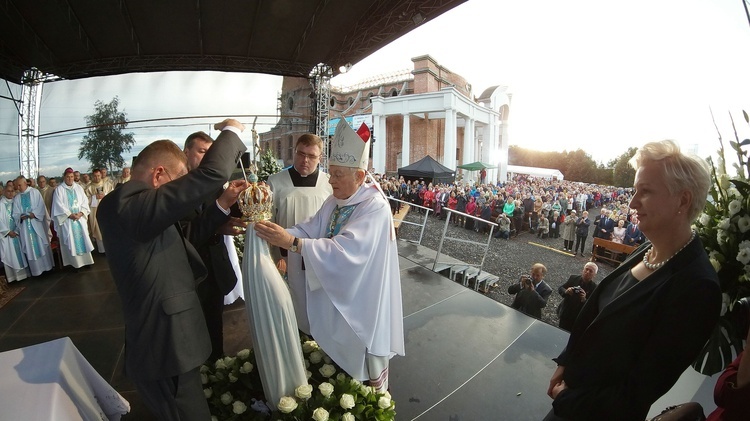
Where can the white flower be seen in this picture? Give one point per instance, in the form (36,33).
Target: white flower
(732,191)
(238,407)
(721,236)
(320,414)
(744,254)
(208,392)
(287,404)
(308,373)
(723,181)
(232,378)
(341,377)
(346,401)
(226,398)
(309,346)
(716,264)
(355,382)
(724,224)
(384,402)
(704,219)
(325,389)
(220,364)
(315,357)
(744,223)
(204,378)
(204,368)
(213,418)
(366,390)
(327,370)
(244,354)
(246,368)
(347,417)
(229,361)
(212,378)
(304,391)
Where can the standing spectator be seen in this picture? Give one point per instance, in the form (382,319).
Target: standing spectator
(569,231)
(471,209)
(574,292)
(582,231)
(555,222)
(531,292)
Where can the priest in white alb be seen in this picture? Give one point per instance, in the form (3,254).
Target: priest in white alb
(70,210)
(16,266)
(30,215)
(349,247)
(299,192)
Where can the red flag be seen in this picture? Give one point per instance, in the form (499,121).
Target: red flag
(364,132)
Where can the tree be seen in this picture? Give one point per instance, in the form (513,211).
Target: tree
(623,174)
(105,143)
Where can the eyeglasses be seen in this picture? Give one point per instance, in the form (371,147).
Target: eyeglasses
(309,157)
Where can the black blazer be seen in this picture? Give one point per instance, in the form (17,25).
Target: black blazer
(530,302)
(622,359)
(156,269)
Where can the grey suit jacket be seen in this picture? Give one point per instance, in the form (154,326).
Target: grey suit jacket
(156,269)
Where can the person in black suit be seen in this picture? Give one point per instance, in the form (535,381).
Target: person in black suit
(575,291)
(648,320)
(156,269)
(220,279)
(531,292)
(633,235)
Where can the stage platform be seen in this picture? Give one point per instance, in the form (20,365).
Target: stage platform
(468,356)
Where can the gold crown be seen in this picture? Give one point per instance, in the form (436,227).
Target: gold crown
(256,202)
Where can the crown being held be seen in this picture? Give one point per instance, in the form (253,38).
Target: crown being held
(256,201)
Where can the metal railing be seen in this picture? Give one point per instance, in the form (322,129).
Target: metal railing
(403,221)
(461,240)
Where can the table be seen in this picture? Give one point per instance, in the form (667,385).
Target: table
(53,381)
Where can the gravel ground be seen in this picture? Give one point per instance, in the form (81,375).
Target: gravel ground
(508,259)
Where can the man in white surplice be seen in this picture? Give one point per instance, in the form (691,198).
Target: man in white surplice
(29,213)
(351,260)
(299,192)
(16,266)
(70,210)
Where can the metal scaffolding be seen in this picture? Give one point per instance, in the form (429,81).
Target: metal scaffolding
(28,120)
(320,79)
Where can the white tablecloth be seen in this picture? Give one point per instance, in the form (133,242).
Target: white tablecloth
(53,381)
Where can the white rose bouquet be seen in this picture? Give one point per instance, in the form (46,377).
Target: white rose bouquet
(724,230)
(234,392)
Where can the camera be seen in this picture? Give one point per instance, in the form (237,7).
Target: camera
(577,290)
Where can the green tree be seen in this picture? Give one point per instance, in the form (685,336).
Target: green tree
(268,165)
(623,174)
(105,142)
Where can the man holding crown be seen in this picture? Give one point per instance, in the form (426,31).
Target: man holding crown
(353,285)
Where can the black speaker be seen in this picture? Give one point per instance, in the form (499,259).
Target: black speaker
(244,161)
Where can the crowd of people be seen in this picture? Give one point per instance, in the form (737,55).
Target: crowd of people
(45,214)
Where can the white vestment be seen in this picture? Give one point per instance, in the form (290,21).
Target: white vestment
(273,326)
(34,240)
(91,191)
(75,243)
(293,205)
(234,260)
(16,266)
(353,281)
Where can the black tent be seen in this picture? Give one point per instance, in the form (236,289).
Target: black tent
(429,170)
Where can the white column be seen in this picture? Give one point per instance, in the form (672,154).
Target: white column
(449,154)
(378,151)
(470,154)
(405,140)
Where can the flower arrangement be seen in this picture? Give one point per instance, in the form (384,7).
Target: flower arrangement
(234,392)
(724,230)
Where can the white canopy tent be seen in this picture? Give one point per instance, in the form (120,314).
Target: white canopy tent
(548,173)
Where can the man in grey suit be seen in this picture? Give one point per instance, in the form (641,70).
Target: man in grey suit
(156,270)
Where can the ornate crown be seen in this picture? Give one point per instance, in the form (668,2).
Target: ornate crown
(256,201)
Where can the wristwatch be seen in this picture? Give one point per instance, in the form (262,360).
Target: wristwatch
(294,247)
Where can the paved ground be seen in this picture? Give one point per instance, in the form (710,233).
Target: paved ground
(508,259)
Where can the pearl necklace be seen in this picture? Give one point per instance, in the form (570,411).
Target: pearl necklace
(654,266)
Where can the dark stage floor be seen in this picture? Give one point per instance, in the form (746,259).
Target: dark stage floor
(468,356)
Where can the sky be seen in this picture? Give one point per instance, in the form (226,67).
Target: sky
(595,75)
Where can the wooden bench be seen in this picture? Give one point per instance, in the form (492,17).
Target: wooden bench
(609,251)
(399,216)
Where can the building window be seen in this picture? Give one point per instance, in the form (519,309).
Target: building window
(290,103)
(350,101)
(333,102)
(394,92)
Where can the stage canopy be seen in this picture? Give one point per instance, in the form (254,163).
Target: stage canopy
(429,170)
(82,38)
